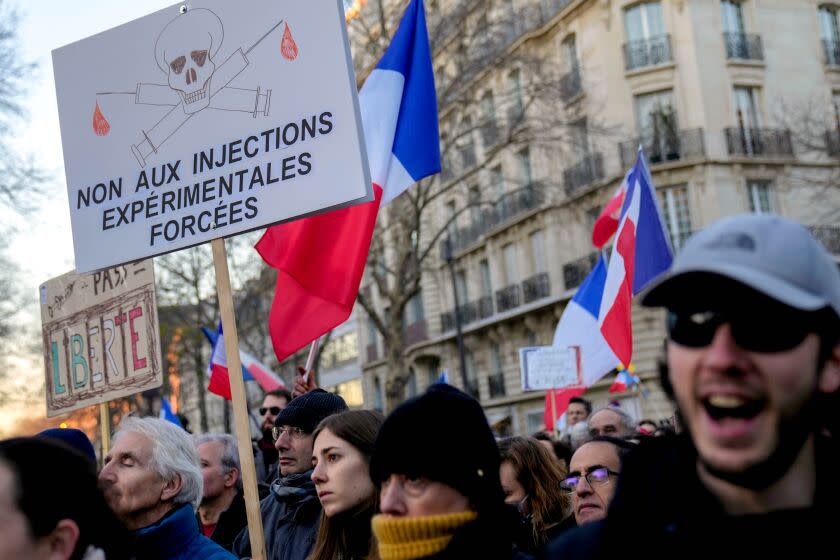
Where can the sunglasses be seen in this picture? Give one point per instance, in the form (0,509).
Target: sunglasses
(767,330)
(274,410)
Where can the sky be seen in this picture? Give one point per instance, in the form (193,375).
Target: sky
(44,248)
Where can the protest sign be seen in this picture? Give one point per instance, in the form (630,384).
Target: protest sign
(549,367)
(100,335)
(205,120)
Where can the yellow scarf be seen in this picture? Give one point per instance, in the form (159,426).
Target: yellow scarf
(406,538)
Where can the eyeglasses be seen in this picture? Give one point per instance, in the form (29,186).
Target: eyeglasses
(274,410)
(292,431)
(597,476)
(767,330)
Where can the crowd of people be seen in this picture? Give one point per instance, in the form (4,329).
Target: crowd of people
(752,367)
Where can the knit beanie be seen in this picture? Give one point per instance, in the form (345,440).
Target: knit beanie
(72,437)
(441,435)
(307,410)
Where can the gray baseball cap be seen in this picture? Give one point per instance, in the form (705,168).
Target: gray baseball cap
(770,254)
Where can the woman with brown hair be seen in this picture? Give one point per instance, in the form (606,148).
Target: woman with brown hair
(531,481)
(341,453)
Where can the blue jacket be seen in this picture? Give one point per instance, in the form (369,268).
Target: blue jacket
(176,537)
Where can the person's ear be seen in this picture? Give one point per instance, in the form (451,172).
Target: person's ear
(171,488)
(231,477)
(62,540)
(829,380)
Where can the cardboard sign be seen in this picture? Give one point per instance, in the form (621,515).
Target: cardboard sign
(548,367)
(205,120)
(100,335)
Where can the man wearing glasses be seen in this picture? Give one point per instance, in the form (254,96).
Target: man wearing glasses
(291,511)
(265,455)
(592,476)
(753,317)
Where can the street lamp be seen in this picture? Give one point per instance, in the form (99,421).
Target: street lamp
(459,337)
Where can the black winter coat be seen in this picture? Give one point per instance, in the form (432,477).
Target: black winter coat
(661,510)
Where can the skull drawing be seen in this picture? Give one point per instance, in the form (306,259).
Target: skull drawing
(185,50)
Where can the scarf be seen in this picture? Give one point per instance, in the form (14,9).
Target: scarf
(406,538)
(293,486)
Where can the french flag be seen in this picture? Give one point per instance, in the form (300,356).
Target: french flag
(641,252)
(624,380)
(252,369)
(607,222)
(320,259)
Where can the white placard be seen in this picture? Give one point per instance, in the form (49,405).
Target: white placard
(178,128)
(548,367)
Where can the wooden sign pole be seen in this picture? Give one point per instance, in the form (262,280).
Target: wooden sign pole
(240,409)
(105,427)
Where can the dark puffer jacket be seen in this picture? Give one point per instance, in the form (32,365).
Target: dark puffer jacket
(176,537)
(290,522)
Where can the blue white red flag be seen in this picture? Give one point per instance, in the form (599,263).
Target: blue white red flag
(320,259)
(252,369)
(625,379)
(641,252)
(167,414)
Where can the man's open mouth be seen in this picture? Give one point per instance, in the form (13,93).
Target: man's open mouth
(720,407)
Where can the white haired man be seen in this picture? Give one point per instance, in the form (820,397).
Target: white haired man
(611,421)
(152,481)
(221,514)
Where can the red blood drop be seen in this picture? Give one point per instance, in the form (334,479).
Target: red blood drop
(288,46)
(101,126)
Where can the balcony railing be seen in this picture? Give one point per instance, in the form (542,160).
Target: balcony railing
(831,51)
(576,271)
(647,52)
(666,146)
(583,173)
(759,142)
(415,332)
(570,85)
(372,352)
(832,142)
(507,208)
(536,287)
(508,298)
(743,46)
(829,236)
(470,312)
(496,384)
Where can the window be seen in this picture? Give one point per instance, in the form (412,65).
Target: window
(569,54)
(511,267)
(488,119)
(470,374)
(486,284)
(676,214)
(466,145)
(747,116)
(414,309)
(371,332)
(534,421)
(496,360)
(759,195)
(830,34)
(538,250)
(451,224)
(523,159)
(579,132)
(474,200)
(657,122)
(411,386)
(378,401)
(461,287)
(517,104)
(643,21)
(497,186)
(733,19)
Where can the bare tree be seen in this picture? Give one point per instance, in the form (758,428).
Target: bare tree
(474,44)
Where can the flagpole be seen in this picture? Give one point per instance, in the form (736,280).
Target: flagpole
(554,413)
(104,426)
(240,411)
(310,361)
